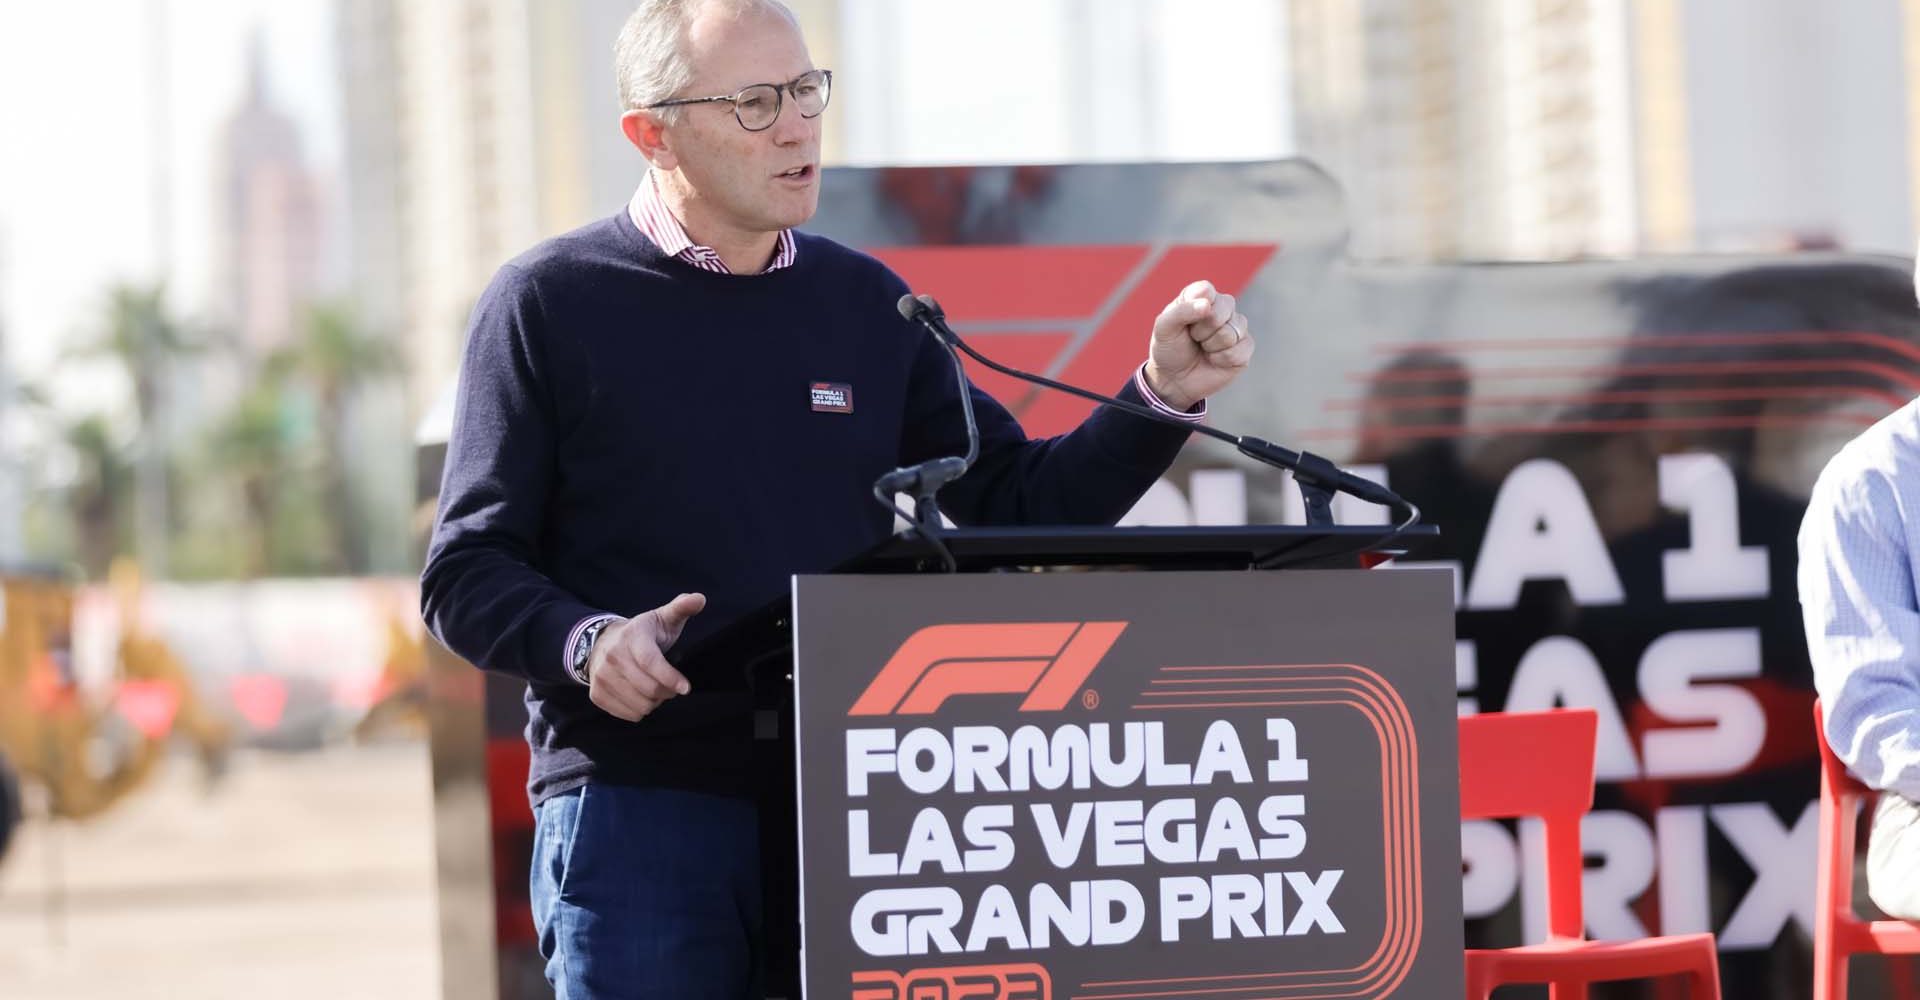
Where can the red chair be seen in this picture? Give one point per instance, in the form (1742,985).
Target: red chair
(1541,764)
(1837,933)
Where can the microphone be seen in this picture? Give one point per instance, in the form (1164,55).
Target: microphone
(924,479)
(927,476)
(1317,477)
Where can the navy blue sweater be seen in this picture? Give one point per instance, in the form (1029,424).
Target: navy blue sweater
(630,427)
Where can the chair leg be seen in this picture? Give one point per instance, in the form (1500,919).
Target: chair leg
(1829,969)
(1567,991)
(1900,975)
(1480,982)
(1704,983)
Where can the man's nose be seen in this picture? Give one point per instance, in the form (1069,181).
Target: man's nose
(789,128)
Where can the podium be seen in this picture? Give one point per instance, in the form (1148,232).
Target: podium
(1041,777)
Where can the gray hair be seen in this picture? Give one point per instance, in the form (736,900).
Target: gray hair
(650,59)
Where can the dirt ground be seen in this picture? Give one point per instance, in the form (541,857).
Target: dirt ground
(294,876)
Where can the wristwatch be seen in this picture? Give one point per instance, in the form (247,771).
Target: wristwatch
(583,647)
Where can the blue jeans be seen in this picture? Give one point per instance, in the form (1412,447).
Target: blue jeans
(648,893)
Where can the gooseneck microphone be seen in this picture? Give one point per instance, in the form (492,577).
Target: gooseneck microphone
(1317,477)
(924,479)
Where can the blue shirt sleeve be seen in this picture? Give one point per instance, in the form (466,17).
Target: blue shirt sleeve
(1862,623)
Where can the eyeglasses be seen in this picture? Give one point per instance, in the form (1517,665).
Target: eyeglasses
(756,108)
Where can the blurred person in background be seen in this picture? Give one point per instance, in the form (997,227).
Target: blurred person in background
(1859,560)
(664,415)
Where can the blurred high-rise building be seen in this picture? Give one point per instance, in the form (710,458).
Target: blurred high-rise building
(1466,130)
(1800,121)
(267,232)
(1062,81)
(476,128)
(1555,128)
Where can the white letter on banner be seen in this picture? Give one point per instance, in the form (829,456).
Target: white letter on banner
(1236,898)
(869,751)
(1227,830)
(1314,910)
(909,929)
(1179,848)
(1182,897)
(1062,843)
(997,917)
(1713,566)
(1783,866)
(1220,751)
(1133,754)
(861,861)
(1287,836)
(1117,833)
(1542,529)
(1109,928)
(934,776)
(1049,763)
(1667,671)
(930,840)
(1492,865)
(1680,836)
(1287,764)
(985,827)
(1160,773)
(1608,890)
(978,754)
(1073,916)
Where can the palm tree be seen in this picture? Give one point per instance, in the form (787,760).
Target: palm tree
(253,446)
(338,357)
(97,497)
(144,340)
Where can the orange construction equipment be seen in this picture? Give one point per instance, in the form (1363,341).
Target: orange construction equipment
(1541,764)
(87,752)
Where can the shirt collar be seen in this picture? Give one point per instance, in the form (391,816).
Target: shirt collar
(654,220)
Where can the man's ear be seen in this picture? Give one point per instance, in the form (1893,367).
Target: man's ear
(649,135)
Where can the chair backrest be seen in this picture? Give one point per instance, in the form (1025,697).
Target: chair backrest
(1843,783)
(1527,763)
(1515,764)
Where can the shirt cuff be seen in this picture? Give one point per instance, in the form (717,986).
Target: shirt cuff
(573,641)
(1193,416)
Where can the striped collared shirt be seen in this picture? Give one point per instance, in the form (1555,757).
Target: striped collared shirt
(656,222)
(1859,559)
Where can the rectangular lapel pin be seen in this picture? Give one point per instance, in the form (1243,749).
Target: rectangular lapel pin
(831,397)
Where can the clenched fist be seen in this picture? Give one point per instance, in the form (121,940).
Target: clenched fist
(1199,345)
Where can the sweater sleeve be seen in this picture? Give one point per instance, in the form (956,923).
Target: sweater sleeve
(1091,475)
(482,592)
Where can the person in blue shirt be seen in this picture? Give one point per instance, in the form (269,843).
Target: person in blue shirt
(1859,560)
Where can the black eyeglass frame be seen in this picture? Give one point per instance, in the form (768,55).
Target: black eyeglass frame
(780,92)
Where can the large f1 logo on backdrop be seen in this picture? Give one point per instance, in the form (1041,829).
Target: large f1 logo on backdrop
(1046,661)
(1080,314)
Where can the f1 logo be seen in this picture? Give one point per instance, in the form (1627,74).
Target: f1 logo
(1046,661)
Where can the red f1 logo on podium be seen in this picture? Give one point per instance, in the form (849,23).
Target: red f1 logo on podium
(1046,661)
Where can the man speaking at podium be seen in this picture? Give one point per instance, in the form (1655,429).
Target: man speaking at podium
(664,415)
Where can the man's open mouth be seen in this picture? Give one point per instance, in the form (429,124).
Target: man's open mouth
(797,173)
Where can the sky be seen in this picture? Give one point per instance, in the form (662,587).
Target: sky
(86,136)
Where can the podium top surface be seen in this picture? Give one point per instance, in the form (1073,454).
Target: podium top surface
(1260,546)
(750,640)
